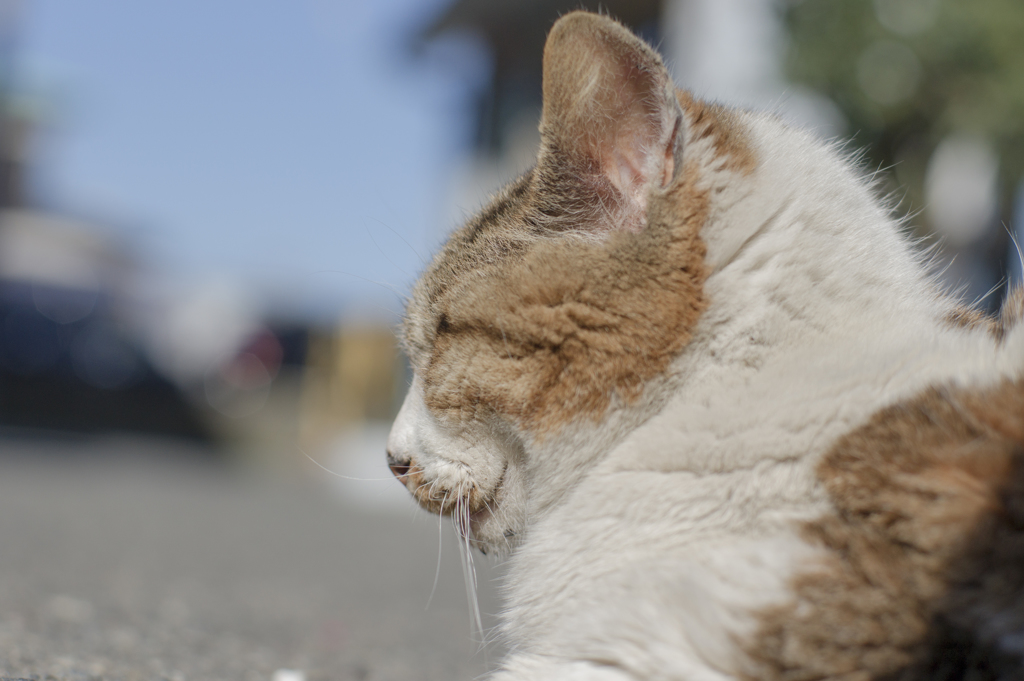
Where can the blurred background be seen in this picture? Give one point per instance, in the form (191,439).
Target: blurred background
(210,214)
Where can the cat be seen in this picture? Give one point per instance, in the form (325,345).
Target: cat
(691,378)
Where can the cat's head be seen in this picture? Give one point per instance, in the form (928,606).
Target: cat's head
(572,290)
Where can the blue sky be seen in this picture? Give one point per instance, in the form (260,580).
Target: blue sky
(262,140)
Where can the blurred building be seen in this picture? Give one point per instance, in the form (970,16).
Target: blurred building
(354,375)
(507,108)
(515,31)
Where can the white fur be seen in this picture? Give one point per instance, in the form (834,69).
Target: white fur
(646,542)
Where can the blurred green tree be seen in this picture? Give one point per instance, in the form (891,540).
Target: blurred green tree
(908,73)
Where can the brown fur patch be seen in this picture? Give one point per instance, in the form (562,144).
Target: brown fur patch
(722,126)
(549,337)
(569,289)
(925,495)
(964,317)
(1011,314)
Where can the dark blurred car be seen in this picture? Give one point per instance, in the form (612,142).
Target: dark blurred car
(68,363)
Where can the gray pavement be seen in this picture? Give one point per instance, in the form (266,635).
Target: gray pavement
(124,560)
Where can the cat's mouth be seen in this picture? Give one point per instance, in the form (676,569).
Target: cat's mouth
(480,514)
(466,502)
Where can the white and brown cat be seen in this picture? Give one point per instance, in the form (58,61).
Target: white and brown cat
(689,374)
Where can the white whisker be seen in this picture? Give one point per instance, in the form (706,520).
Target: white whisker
(388,227)
(370,234)
(437,571)
(335,473)
(1016,245)
(461,521)
(402,298)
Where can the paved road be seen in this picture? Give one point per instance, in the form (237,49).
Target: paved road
(121,561)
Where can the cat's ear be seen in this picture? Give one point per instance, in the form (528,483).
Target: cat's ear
(610,119)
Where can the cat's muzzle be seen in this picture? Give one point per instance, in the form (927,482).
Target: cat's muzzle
(432,496)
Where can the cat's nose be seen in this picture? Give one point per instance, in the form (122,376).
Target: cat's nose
(398,468)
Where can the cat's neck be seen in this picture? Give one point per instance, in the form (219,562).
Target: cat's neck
(820,312)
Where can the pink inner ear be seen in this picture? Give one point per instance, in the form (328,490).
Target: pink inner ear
(606,105)
(629,160)
(623,164)
(628,148)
